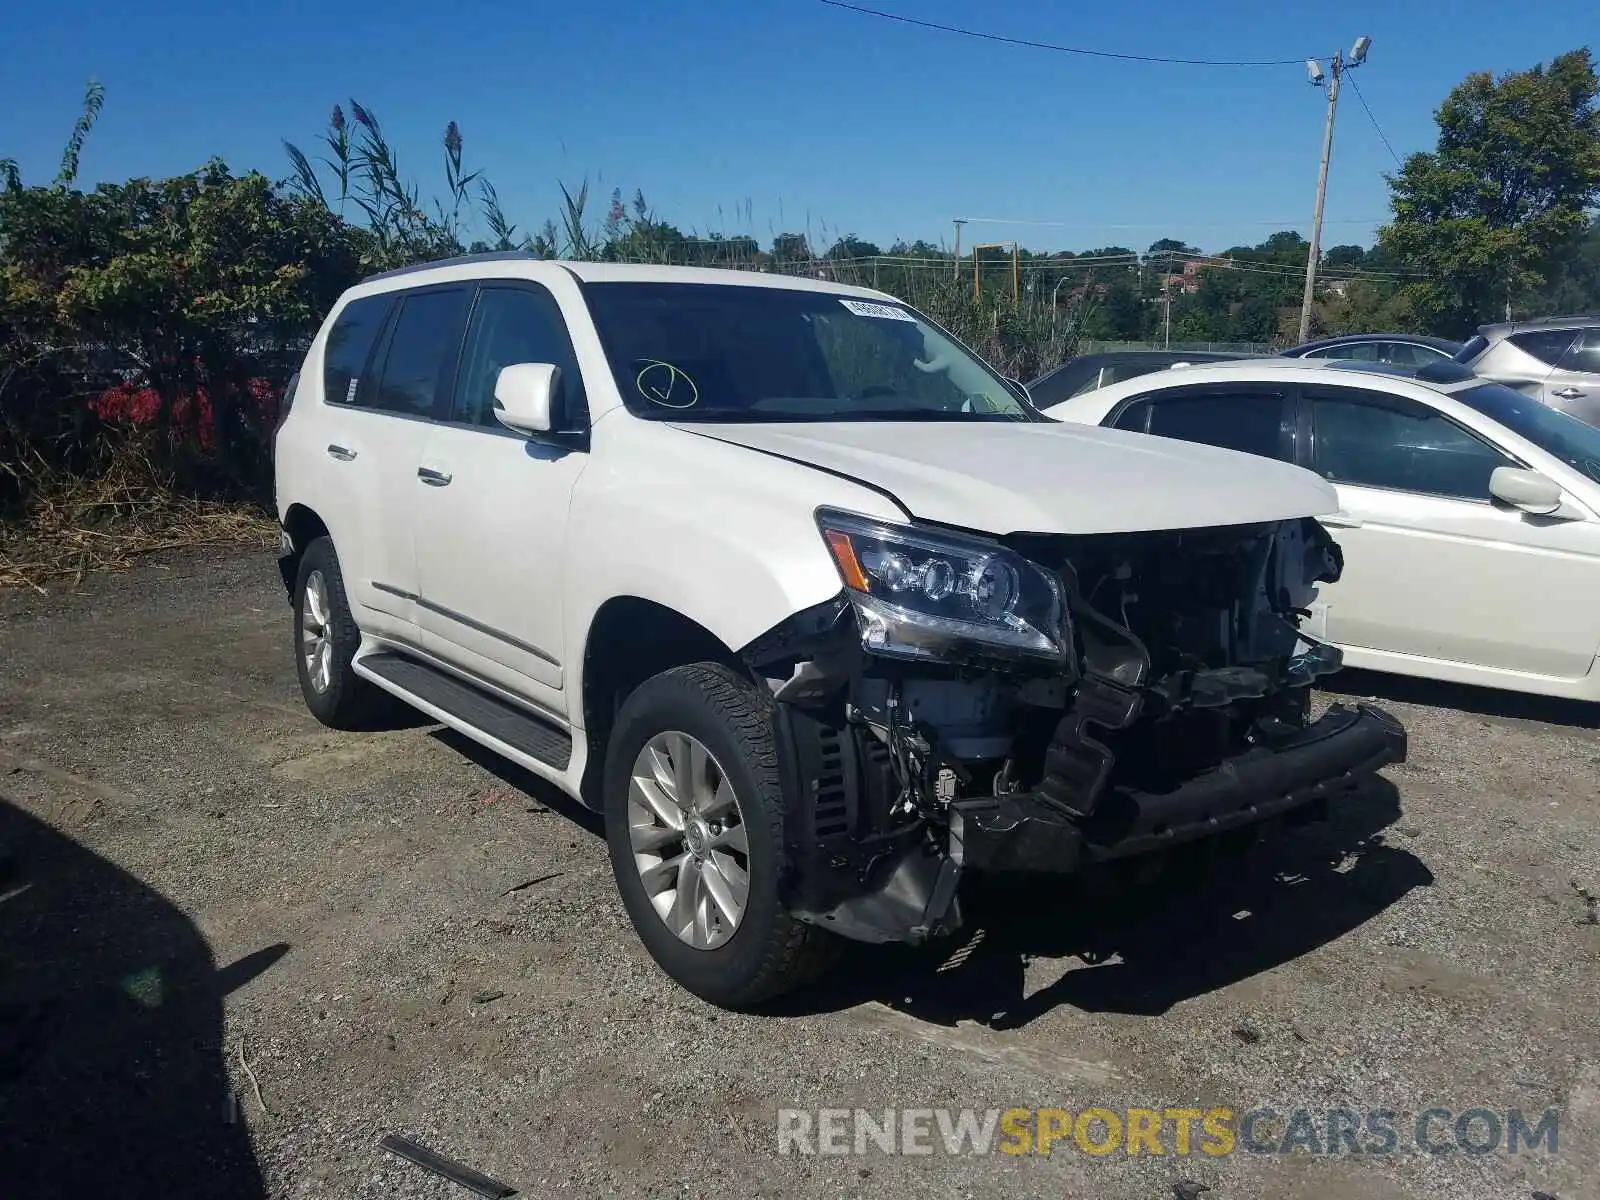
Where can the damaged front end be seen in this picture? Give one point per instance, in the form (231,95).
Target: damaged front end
(1039,705)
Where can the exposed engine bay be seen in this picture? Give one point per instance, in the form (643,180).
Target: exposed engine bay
(1181,710)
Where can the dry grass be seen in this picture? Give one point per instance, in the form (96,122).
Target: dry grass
(74,526)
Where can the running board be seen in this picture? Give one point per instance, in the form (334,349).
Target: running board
(472,706)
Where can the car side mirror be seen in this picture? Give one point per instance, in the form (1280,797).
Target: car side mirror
(1528,490)
(524,394)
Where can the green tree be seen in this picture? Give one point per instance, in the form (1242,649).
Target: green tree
(1504,195)
(186,282)
(1346,257)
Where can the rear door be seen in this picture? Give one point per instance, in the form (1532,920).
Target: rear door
(1434,568)
(385,421)
(337,453)
(1573,386)
(1524,360)
(1255,418)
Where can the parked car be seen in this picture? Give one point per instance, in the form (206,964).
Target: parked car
(1469,514)
(798,593)
(1089,371)
(1556,361)
(1396,349)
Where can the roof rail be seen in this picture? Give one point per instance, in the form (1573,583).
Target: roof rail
(459,260)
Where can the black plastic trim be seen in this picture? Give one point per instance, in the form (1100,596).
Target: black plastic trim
(459,260)
(515,727)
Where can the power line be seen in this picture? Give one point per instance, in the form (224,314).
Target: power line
(1367,109)
(1093,225)
(1013,41)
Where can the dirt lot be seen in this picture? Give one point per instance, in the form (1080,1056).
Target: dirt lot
(404,935)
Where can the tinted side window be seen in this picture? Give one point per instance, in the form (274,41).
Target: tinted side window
(422,351)
(1247,421)
(1133,417)
(1401,354)
(515,325)
(1547,345)
(1385,442)
(1585,354)
(349,344)
(1359,351)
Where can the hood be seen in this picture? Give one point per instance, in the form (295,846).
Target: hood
(1025,477)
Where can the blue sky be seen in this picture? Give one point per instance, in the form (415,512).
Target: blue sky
(759,115)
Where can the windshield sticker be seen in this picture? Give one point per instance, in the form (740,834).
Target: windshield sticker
(664,384)
(865,308)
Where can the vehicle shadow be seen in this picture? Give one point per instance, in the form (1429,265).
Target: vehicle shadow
(1487,702)
(112,1077)
(513,776)
(1204,923)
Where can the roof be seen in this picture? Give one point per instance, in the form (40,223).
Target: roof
(1502,328)
(520,264)
(1348,339)
(1440,377)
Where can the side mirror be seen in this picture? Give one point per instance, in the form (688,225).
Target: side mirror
(524,394)
(1528,490)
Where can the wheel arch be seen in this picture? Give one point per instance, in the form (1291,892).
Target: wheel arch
(304,526)
(630,640)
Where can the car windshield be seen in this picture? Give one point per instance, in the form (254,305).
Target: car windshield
(731,352)
(1569,439)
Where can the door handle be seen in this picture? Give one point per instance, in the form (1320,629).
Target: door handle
(1341,520)
(1568,393)
(431,477)
(342,453)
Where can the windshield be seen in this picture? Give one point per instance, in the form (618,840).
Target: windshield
(1569,439)
(726,352)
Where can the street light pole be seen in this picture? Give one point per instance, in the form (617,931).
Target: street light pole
(1358,55)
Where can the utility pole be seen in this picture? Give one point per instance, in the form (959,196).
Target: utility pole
(1358,55)
(1166,316)
(960,221)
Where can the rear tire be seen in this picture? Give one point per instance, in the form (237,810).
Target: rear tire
(702,880)
(326,638)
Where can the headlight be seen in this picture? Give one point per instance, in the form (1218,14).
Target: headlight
(920,594)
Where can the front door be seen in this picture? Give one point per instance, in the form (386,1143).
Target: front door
(1434,567)
(491,514)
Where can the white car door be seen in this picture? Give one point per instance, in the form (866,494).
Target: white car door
(380,374)
(1434,568)
(491,518)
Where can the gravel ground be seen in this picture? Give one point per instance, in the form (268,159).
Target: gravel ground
(398,933)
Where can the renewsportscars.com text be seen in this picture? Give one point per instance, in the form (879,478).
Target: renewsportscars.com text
(1181,1132)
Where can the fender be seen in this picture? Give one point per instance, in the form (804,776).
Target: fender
(723,535)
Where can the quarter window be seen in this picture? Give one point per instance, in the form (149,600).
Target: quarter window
(515,325)
(1386,442)
(349,346)
(422,351)
(1248,421)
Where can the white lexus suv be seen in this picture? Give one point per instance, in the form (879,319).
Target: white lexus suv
(815,607)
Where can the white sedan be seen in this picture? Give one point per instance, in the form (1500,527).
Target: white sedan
(1469,513)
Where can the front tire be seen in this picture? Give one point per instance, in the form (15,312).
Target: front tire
(326,639)
(694,822)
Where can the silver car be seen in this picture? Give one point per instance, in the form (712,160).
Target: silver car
(1556,361)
